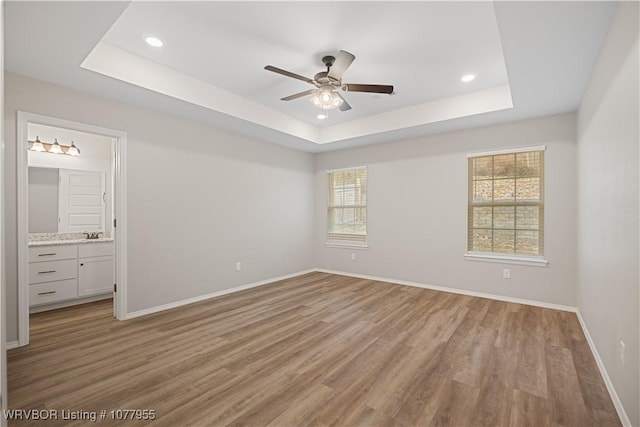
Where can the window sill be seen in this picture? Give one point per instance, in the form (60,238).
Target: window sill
(506,259)
(347,245)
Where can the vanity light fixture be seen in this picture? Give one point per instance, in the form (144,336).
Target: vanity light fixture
(55,147)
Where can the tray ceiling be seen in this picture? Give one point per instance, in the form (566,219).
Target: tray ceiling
(529,59)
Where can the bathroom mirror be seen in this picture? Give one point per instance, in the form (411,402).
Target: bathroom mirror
(67,200)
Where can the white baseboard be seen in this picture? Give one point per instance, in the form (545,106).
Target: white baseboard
(455,291)
(199,298)
(12,344)
(624,419)
(64,304)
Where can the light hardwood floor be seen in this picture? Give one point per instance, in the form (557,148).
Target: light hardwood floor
(317,350)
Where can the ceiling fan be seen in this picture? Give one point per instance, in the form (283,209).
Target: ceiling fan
(327,83)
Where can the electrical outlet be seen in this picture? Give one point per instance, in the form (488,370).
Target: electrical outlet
(353,256)
(238,266)
(506,273)
(622,347)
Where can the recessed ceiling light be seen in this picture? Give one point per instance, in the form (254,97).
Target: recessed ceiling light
(468,78)
(321,116)
(154,41)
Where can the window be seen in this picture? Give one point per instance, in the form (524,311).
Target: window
(347,205)
(506,202)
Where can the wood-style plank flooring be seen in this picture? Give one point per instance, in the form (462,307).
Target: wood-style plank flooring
(317,350)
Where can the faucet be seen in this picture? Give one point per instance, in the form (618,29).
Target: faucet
(93,236)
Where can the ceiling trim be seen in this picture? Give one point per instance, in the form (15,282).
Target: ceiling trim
(470,104)
(120,64)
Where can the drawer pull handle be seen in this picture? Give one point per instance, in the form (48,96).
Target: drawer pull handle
(47,254)
(46,293)
(45,272)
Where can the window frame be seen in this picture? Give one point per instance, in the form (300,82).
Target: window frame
(506,257)
(343,240)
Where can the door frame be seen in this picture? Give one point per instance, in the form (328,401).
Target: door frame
(119,211)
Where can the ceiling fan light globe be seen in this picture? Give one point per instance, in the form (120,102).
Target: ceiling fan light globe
(326,98)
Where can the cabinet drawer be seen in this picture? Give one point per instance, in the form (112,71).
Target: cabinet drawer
(50,271)
(95,249)
(44,293)
(52,253)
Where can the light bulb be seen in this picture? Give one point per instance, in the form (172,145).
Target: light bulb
(37,146)
(55,147)
(73,150)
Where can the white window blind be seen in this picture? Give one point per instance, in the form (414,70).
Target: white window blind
(347,205)
(506,203)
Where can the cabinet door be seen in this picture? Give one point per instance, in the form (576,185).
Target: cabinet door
(95,276)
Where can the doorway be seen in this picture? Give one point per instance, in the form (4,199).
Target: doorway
(71,190)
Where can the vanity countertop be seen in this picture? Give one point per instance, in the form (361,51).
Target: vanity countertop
(37,244)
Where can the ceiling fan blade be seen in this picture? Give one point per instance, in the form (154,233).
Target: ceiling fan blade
(298,95)
(288,73)
(343,60)
(351,87)
(345,105)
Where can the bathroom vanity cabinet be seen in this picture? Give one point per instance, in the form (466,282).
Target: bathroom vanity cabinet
(69,272)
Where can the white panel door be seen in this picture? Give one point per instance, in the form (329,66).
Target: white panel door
(81,201)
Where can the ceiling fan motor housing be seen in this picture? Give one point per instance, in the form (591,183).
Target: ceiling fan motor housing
(323,78)
(328,60)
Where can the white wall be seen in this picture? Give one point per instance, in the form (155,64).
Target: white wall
(608,214)
(199,199)
(417,216)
